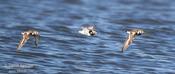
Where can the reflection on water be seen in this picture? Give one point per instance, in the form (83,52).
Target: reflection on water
(63,50)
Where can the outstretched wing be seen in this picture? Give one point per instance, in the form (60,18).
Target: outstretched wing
(36,40)
(23,40)
(128,41)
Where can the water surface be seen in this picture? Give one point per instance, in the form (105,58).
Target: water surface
(62,50)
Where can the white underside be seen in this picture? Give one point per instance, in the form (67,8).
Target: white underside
(84,32)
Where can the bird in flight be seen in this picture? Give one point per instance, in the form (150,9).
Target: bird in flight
(131,36)
(26,35)
(88,30)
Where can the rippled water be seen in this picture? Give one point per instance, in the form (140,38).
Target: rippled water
(62,50)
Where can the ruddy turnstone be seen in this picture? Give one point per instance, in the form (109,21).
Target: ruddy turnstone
(26,36)
(131,36)
(88,30)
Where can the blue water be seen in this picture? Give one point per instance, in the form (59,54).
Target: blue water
(62,50)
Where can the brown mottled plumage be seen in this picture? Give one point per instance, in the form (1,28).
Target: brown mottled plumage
(132,34)
(26,36)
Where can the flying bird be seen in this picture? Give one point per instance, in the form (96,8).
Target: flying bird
(131,36)
(88,30)
(26,35)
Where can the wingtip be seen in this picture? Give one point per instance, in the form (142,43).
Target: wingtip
(36,45)
(36,40)
(122,50)
(17,49)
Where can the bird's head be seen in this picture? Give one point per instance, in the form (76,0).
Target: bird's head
(140,32)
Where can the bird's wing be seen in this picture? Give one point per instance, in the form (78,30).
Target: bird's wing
(36,40)
(23,40)
(128,41)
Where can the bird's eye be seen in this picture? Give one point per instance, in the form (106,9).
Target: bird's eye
(90,31)
(139,33)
